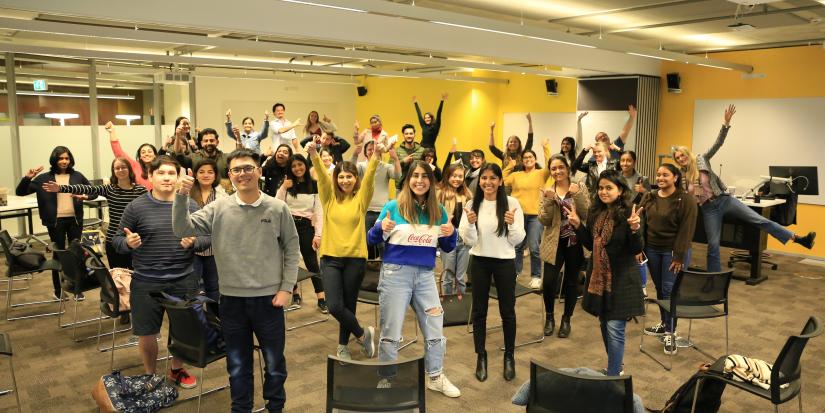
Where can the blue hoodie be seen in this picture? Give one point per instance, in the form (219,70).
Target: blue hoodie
(410,244)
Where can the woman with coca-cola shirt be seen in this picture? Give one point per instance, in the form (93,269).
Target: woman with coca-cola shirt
(412,227)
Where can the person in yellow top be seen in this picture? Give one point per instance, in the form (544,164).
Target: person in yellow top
(343,250)
(527,185)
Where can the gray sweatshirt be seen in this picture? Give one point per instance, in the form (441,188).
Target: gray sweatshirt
(256,246)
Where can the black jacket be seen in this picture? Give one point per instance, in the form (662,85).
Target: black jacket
(47,201)
(622,249)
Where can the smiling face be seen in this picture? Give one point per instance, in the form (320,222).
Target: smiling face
(665,178)
(559,171)
(205,175)
(681,158)
(529,160)
(164,179)
(184,125)
(346,182)
(476,161)
(375,124)
(627,163)
(147,154)
(121,170)
(281,155)
(280,111)
(489,183)
(298,168)
(565,146)
(245,182)
(608,191)
(326,158)
(419,182)
(313,117)
(428,119)
(513,143)
(248,125)
(370,148)
(598,153)
(209,143)
(456,178)
(409,135)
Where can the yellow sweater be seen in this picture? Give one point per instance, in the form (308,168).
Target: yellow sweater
(527,187)
(344,233)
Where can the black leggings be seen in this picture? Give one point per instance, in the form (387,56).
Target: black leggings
(62,229)
(483,272)
(305,234)
(571,258)
(342,279)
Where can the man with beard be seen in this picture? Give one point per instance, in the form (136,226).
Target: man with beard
(208,143)
(408,152)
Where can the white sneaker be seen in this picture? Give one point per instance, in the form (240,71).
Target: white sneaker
(535,283)
(369,342)
(343,353)
(441,384)
(670,344)
(384,384)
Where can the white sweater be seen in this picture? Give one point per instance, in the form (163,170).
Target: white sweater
(482,236)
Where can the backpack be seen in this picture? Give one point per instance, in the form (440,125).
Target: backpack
(25,256)
(123,281)
(709,399)
(206,308)
(146,393)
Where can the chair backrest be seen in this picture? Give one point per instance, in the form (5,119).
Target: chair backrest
(5,242)
(72,263)
(556,391)
(109,295)
(187,336)
(787,367)
(695,288)
(351,385)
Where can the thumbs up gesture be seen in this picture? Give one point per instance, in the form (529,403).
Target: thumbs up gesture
(635,221)
(447,229)
(186,182)
(472,217)
(510,216)
(387,224)
(132,238)
(572,216)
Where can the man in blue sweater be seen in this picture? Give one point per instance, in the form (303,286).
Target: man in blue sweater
(162,261)
(257,251)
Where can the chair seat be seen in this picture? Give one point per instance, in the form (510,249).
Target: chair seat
(368,297)
(210,358)
(46,266)
(785,394)
(5,344)
(520,291)
(685,311)
(364,399)
(303,275)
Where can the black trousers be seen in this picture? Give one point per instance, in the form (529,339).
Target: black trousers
(571,258)
(305,234)
(342,279)
(484,271)
(373,251)
(63,229)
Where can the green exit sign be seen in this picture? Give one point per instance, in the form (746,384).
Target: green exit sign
(40,85)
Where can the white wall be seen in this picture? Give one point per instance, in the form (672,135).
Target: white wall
(251,97)
(175,102)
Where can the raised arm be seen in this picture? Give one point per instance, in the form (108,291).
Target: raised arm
(631,119)
(496,151)
(368,185)
(396,164)
(418,112)
(723,133)
(229,123)
(325,191)
(579,164)
(579,128)
(28,185)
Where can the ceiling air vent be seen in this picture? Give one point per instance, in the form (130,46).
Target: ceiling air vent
(172,78)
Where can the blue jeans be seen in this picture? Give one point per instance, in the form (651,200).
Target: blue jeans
(715,211)
(533,228)
(455,263)
(240,318)
(659,264)
(207,272)
(613,337)
(643,274)
(398,287)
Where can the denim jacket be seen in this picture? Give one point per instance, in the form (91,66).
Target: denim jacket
(703,162)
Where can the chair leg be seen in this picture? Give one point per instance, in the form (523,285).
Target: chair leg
(9,305)
(727,351)
(200,392)
(414,340)
(112,349)
(695,395)
(799,396)
(14,385)
(647,353)
(540,337)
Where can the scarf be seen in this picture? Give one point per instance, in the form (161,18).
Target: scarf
(601,279)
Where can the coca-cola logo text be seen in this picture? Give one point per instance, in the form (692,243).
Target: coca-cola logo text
(421,239)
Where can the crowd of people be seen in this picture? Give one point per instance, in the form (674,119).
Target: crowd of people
(179,215)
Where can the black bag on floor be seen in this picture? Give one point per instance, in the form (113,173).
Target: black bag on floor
(145,393)
(709,399)
(25,256)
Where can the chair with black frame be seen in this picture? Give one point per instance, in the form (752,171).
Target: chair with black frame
(351,385)
(368,294)
(556,391)
(17,271)
(303,275)
(110,307)
(77,278)
(522,291)
(787,370)
(5,350)
(695,295)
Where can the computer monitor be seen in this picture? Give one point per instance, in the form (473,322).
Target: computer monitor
(805,180)
(463,156)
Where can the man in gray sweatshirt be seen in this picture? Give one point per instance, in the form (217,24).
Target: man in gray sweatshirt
(256,250)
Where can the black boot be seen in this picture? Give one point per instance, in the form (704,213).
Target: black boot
(509,366)
(564,329)
(481,366)
(549,325)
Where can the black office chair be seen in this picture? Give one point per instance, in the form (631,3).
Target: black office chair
(303,275)
(522,291)
(694,295)
(5,350)
(77,278)
(352,385)
(556,391)
(16,271)
(110,307)
(787,370)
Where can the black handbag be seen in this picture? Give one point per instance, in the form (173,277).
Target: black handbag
(26,257)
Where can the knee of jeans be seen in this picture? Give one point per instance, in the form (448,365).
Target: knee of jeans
(434,312)
(436,342)
(393,341)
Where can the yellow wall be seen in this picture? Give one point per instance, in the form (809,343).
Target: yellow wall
(791,72)
(469,109)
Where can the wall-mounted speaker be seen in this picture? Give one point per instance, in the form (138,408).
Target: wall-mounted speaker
(673,81)
(552,87)
(362,90)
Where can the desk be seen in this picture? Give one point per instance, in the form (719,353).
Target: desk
(737,234)
(22,206)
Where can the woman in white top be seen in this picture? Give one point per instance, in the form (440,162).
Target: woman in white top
(493,226)
(300,192)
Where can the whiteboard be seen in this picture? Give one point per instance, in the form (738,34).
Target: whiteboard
(764,132)
(555,126)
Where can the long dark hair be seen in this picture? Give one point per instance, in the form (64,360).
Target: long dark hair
(195,193)
(571,156)
(676,172)
(620,207)
(308,185)
(501,198)
(144,167)
(56,152)
(113,180)
(407,204)
(563,159)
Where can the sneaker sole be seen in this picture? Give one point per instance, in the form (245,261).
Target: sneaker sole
(371,342)
(181,385)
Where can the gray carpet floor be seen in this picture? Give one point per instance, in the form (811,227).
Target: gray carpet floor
(55,374)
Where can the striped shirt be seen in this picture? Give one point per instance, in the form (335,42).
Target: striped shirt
(160,256)
(116,197)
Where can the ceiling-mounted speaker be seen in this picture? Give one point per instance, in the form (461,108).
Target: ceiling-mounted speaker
(552,87)
(362,90)
(673,83)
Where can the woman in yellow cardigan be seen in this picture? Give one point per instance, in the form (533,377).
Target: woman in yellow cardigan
(343,248)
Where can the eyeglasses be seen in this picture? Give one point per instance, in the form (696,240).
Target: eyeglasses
(248,169)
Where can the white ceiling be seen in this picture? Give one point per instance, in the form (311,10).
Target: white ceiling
(443,39)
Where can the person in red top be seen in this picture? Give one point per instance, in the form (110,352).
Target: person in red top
(145,154)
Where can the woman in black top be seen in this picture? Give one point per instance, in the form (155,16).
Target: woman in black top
(274,169)
(514,149)
(430,126)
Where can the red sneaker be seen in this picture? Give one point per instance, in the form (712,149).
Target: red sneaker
(183,379)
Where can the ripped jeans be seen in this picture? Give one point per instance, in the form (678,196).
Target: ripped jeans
(398,287)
